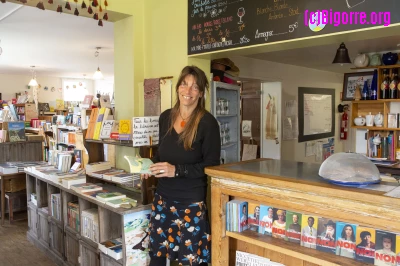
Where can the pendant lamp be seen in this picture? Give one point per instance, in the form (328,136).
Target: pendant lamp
(33,82)
(97,74)
(342,55)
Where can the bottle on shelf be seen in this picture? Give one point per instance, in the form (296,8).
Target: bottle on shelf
(374,86)
(385,85)
(394,85)
(365,94)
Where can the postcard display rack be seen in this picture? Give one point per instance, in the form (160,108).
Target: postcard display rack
(225,107)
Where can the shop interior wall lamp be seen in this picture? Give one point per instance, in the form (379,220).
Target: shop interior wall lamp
(98,74)
(33,82)
(342,55)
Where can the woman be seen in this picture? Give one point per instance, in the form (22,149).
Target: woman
(346,243)
(189,142)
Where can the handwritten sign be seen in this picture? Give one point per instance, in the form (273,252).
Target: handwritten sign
(144,128)
(224,24)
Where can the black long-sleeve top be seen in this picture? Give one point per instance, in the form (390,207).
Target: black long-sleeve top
(191,183)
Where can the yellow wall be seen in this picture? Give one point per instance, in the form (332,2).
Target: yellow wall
(151,43)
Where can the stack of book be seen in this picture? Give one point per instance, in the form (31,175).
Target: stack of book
(90,224)
(73,215)
(94,167)
(85,187)
(7,168)
(247,259)
(112,247)
(75,180)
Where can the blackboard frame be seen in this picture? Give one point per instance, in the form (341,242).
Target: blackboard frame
(320,91)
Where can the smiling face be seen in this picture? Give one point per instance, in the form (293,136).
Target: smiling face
(189,92)
(349,231)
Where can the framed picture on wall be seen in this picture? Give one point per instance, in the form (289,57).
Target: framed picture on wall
(352,80)
(316,110)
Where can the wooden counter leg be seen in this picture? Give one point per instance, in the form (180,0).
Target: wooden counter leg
(219,242)
(3,200)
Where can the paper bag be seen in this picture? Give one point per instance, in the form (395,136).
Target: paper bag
(249,152)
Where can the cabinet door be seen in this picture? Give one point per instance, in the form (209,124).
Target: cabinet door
(71,249)
(32,220)
(89,256)
(57,239)
(43,229)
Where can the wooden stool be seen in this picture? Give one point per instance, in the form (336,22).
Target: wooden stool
(10,201)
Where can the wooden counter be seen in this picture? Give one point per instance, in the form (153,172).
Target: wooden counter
(293,186)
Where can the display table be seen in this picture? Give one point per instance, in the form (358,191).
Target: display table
(293,186)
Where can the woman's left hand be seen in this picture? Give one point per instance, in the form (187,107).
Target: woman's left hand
(162,170)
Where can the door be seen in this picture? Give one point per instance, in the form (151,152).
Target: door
(271,106)
(251,111)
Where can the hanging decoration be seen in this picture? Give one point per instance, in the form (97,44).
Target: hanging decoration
(67,5)
(100,10)
(59,9)
(105,17)
(96,16)
(40,5)
(83,6)
(89,10)
(50,2)
(76,12)
(95,3)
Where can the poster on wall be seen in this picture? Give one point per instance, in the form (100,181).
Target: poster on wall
(152,97)
(136,238)
(271,118)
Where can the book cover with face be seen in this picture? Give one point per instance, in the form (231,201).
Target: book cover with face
(309,225)
(365,240)
(254,216)
(346,240)
(385,248)
(266,219)
(326,235)
(279,223)
(293,226)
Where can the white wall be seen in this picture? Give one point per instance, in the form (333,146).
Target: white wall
(12,84)
(293,77)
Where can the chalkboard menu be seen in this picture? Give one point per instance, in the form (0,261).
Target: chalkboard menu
(224,24)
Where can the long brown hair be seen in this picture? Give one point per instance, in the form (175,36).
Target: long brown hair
(188,134)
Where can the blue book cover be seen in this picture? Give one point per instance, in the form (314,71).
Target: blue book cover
(266,219)
(16,131)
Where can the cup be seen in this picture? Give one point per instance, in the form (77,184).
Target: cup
(369,120)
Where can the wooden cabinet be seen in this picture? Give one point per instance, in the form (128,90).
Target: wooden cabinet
(43,227)
(108,261)
(32,220)
(297,187)
(56,237)
(89,255)
(71,247)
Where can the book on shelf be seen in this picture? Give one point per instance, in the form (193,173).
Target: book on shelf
(115,252)
(109,196)
(110,174)
(115,130)
(106,245)
(117,202)
(97,166)
(106,128)
(73,215)
(90,224)
(85,187)
(15,131)
(8,169)
(125,129)
(103,115)
(69,181)
(92,123)
(247,259)
(93,194)
(87,101)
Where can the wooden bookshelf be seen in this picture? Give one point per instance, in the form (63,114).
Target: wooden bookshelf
(297,187)
(292,249)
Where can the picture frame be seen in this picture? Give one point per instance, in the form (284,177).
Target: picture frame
(351,80)
(316,105)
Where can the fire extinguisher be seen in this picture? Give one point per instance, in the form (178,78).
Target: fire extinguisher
(343,125)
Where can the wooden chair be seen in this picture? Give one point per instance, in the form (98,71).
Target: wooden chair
(10,197)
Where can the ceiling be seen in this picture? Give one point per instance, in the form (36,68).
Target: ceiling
(59,45)
(321,57)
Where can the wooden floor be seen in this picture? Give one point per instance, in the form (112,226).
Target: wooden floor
(16,250)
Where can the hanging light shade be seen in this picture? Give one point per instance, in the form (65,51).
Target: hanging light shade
(33,82)
(98,74)
(342,55)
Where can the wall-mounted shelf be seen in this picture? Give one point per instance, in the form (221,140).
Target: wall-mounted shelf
(377,67)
